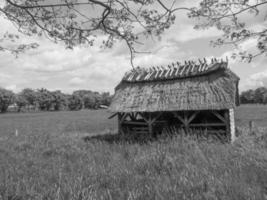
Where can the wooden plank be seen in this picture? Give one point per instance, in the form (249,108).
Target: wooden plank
(139,132)
(143,128)
(140,127)
(134,123)
(207,124)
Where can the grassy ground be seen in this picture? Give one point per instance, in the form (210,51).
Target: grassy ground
(257,113)
(54,157)
(57,123)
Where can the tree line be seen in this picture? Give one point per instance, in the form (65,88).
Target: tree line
(44,100)
(258,95)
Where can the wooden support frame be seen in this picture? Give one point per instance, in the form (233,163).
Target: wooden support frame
(227,118)
(144,122)
(193,116)
(120,131)
(222,118)
(121,118)
(186,119)
(150,120)
(150,124)
(114,115)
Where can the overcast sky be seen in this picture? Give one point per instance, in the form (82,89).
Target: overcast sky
(53,67)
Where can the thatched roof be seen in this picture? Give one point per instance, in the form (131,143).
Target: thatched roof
(177,87)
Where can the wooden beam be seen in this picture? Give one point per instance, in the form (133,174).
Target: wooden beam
(156,117)
(223,119)
(124,115)
(144,117)
(134,123)
(132,116)
(120,131)
(179,117)
(207,125)
(192,117)
(135,115)
(110,117)
(121,118)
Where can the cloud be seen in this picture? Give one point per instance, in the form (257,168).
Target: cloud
(185,33)
(11,87)
(76,81)
(255,80)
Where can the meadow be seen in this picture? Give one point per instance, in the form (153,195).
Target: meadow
(75,155)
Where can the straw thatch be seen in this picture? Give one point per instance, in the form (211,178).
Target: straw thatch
(178,87)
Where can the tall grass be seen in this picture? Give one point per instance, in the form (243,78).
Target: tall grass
(66,166)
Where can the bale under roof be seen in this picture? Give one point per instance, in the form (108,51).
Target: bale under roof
(177,87)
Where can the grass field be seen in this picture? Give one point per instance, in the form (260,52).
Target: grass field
(49,158)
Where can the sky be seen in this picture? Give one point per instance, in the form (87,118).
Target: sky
(54,67)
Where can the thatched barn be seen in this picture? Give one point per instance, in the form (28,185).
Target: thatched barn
(189,96)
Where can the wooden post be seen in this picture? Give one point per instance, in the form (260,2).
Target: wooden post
(150,128)
(150,120)
(227,124)
(119,122)
(251,127)
(186,122)
(230,124)
(121,117)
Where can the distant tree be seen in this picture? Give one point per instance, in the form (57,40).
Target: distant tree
(89,101)
(75,102)
(265,98)
(106,98)
(59,100)
(259,95)
(82,94)
(45,99)
(21,101)
(31,97)
(247,97)
(98,99)
(6,99)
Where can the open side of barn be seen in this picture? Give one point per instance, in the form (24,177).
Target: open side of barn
(191,96)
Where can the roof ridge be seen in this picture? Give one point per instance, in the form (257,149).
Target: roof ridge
(175,70)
